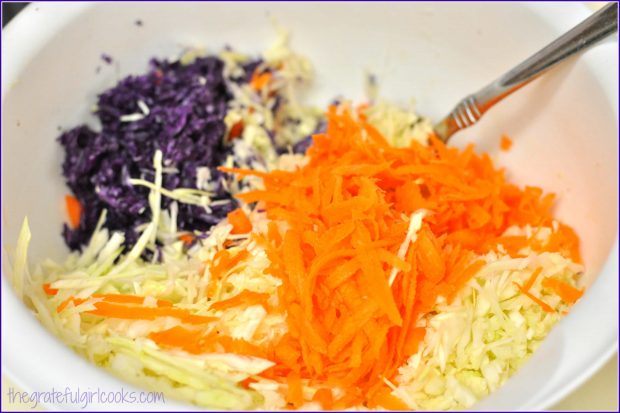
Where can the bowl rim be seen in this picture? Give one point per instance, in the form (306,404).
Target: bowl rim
(33,25)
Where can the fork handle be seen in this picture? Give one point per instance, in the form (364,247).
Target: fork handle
(586,34)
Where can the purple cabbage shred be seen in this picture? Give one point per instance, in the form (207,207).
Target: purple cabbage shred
(178,109)
(107,58)
(186,109)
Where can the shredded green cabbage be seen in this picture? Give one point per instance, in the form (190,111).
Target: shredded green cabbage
(181,277)
(20,269)
(474,344)
(198,379)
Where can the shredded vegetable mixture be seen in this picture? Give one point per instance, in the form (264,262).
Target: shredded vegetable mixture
(378,269)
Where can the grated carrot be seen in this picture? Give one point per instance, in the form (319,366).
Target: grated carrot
(344,216)
(530,281)
(49,290)
(324,397)
(178,337)
(386,400)
(239,221)
(70,300)
(236,130)
(130,307)
(294,394)
(223,262)
(112,310)
(245,298)
(546,307)
(187,239)
(567,292)
(129,299)
(260,80)
(505,143)
(74,210)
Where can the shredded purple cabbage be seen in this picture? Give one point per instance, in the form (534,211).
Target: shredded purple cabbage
(107,58)
(178,109)
(303,145)
(186,106)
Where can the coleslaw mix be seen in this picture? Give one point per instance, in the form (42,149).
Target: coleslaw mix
(226,317)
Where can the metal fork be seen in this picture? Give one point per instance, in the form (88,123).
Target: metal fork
(586,34)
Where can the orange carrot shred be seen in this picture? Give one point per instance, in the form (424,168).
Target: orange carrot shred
(246,383)
(187,239)
(532,279)
(245,298)
(260,80)
(114,310)
(129,299)
(70,300)
(429,256)
(294,394)
(131,307)
(324,397)
(413,340)
(74,210)
(198,319)
(49,290)
(236,130)
(240,222)
(546,307)
(178,337)
(385,399)
(505,143)
(567,292)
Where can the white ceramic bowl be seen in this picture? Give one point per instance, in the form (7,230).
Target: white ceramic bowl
(564,127)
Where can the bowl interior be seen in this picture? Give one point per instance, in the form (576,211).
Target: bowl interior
(563,125)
